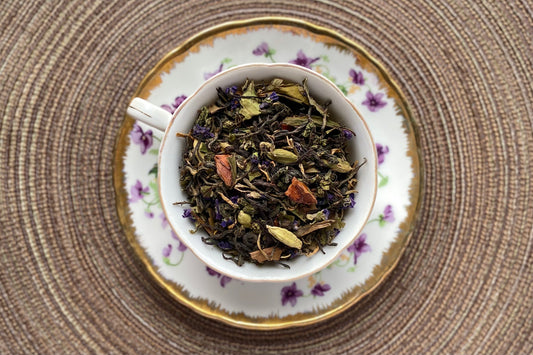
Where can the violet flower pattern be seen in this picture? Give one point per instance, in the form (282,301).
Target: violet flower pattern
(290,294)
(382,150)
(356,77)
(303,60)
(264,50)
(210,74)
(374,102)
(319,289)
(173,106)
(359,247)
(168,251)
(164,221)
(138,191)
(181,247)
(387,216)
(223,279)
(142,138)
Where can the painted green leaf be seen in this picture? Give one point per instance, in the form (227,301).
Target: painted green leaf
(384,181)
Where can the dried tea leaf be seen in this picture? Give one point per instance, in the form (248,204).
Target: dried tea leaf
(312,101)
(291,91)
(249,105)
(299,192)
(313,227)
(296,121)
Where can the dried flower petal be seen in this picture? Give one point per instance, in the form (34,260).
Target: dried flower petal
(224,168)
(299,192)
(267,254)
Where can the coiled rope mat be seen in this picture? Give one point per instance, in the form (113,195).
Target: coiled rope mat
(70,282)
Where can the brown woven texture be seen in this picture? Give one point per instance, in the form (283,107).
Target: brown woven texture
(71,283)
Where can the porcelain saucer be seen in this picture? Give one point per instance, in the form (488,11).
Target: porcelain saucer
(363,266)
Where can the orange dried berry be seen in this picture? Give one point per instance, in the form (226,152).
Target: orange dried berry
(224,168)
(299,192)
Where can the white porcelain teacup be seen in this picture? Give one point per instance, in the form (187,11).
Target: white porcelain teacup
(172,148)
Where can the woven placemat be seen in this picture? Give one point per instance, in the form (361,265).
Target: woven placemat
(71,283)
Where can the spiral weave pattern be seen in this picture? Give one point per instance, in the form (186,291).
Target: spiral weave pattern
(70,282)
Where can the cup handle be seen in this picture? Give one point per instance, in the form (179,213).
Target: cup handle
(148,113)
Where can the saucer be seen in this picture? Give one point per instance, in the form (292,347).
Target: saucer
(360,268)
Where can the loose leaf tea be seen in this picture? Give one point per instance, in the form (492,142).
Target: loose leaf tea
(266,172)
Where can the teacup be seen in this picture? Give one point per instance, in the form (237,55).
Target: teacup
(171,151)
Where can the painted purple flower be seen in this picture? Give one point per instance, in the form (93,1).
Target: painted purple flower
(167,250)
(357,77)
(262,49)
(374,102)
(382,150)
(325,212)
(173,106)
(181,247)
(209,75)
(149,214)
(359,247)
(319,289)
(387,216)
(223,279)
(290,294)
(137,191)
(303,60)
(164,221)
(142,138)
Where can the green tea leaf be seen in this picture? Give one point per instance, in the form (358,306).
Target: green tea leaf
(249,106)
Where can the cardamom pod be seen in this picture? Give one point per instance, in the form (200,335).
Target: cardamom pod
(283,156)
(244,218)
(342,166)
(285,236)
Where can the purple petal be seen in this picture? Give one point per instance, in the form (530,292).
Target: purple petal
(211,271)
(261,49)
(319,289)
(224,280)
(290,294)
(388,214)
(167,250)
(209,75)
(164,221)
(167,108)
(149,214)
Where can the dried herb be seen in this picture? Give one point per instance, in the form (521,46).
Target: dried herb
(266,172)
